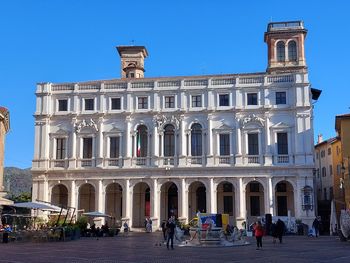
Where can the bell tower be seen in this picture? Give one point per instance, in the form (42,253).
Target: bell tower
(285,43)
(132,61)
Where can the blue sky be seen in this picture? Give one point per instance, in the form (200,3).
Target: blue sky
(68,41)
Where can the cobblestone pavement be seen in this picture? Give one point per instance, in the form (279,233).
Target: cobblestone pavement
(141,247)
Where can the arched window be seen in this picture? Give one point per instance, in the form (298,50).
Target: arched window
(141,141)
(196,140)
(169,140)
(281,54)
(292,51)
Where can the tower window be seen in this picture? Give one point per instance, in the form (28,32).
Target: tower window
(292,51)
(281,54)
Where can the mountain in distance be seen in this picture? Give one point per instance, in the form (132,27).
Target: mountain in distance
(17,181)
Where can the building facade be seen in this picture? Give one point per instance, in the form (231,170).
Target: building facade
(342,126)
(138,147)
(4,128)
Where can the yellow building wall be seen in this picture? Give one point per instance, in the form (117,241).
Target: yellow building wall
(338,192)
(345,139)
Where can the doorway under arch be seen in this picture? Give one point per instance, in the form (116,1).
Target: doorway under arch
(59,195)
(197,199)
(284,194)
(114,200)
(141,204)
(169,201)
(226,200)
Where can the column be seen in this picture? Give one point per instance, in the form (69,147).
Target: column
(73,153)
(45,196)
(268,153)
(100,198)
(238,143)
(184,200)
(128,142)
(155,205)
(210,158)
(232,142)
(213,196)
(127,207)
(73,195)
(99,160)
(182,144)
(242,203)
(271,198)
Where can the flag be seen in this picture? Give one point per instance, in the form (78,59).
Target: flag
(138,152)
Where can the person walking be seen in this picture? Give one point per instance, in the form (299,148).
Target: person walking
(259,232)
(171,231)
(316,226)
(280,226)
(164,229)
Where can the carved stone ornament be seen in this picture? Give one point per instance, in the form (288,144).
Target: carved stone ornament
(84,124)
(160,120)
(251,118)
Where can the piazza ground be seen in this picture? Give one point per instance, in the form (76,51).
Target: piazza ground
(140,247)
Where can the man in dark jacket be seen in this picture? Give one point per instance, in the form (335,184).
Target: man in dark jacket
(280,226)
(171,231)
(316,226)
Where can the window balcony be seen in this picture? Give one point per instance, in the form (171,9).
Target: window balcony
(59,163)
(141,161)
(195,160)
(252,159)
(224,160)
(282,159)
(86,163)
(114,162)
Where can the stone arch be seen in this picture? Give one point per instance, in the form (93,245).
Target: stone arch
(255,200)
(225,192)
(87,197)
(169,200)
(284,198)
(197,198)
(59,195)
(114,200)
(141,206)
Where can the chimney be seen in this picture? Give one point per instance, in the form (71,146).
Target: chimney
(132,61)
(319,138)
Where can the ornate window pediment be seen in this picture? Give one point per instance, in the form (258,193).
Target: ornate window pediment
(280,125)
(86,126)
(113,131)
(251,121)
(223,128)
(160,120)
(59,133)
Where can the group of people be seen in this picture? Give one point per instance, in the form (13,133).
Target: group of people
(277,231)
(168,229)
(97,231)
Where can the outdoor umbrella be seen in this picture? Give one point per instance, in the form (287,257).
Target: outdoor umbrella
(38,205)
(96,214)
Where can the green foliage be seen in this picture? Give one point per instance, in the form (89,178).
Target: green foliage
(24,197)
(82,223)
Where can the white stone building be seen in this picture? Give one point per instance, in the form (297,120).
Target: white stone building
(240,144)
